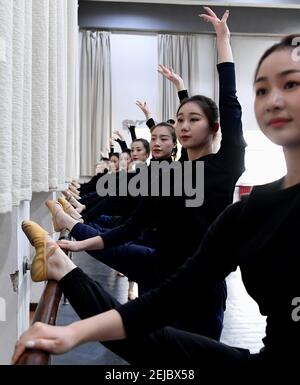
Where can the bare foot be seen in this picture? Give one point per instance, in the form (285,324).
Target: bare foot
(58,263)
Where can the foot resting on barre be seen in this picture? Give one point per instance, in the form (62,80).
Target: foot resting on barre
(61,220)
(49,262)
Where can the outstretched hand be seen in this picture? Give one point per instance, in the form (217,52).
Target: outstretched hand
(118,135)
(54,339)
(169,74)
(144,107)
(220,25)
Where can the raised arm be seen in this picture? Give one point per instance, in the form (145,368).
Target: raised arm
(222,32)
(145,108)
(131,129)
(177,80)
(118,137)
(169,74)
(232,144)
(148,115)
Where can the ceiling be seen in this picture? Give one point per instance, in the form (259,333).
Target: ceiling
(240,3)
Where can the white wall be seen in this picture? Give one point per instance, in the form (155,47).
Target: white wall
(247,50)
(134,76)
(14,248)
(264,160)
(16,298)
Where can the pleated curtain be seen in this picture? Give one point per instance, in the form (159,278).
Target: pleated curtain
(72,147)
(6,89)
(95,98)
(39,146)
(40,94)
(193,58)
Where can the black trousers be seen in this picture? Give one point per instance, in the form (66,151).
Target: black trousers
(166,347)
(141,264)
(137,262)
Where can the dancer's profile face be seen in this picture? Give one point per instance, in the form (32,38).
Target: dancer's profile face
(277,98)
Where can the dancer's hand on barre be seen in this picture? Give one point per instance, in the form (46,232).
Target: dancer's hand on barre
(169,74)
(95,243)
(54,339)
(144,107)
(106,326)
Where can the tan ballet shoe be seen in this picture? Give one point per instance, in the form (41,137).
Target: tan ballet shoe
(69,209)
(37,237)
(51,206)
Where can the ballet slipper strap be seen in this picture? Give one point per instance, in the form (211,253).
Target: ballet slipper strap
(52,251)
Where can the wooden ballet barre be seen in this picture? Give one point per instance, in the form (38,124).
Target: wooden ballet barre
(46,312)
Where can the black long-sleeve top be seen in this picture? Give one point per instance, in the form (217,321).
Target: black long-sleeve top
(118,205)
(90,186)
(112,205)
(180,228)
(259,234)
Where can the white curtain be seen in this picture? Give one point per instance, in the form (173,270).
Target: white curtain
(193,58)
(95,98)
(72,145)
(38,103)
(6,90)
(26,174)
(40,93)
(53,88)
